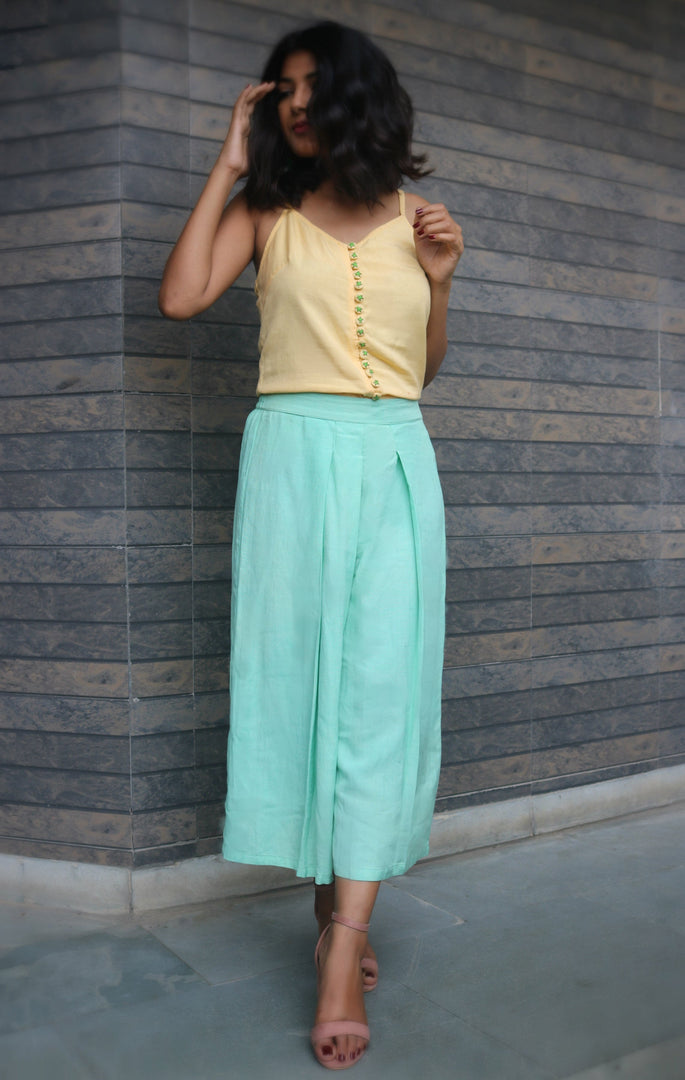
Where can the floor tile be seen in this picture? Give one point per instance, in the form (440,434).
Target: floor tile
(662,1062)
(40,1054)
(44,982)
(21,925)
(259,1029)
(603,860)
(567,983)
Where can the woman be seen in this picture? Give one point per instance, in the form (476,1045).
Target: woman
(338,556)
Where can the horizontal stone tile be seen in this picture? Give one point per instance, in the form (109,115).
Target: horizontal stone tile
(162,752)
(85,715)
(160,827)
(55,565)
(94,184)
(153,38)
(64,677)
(487,648)
(68,641)
(63,75)
(51,602)
(155,677)
(63,225)
(61,112)
(160,641)
(65,787)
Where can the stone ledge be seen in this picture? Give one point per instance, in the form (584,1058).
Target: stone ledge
(109,890)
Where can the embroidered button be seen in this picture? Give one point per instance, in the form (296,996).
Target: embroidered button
(360,319)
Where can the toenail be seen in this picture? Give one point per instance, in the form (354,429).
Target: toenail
(326,1049)
(341,1057)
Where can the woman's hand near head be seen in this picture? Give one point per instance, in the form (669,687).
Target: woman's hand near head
(439,242)
(233,154)
(218,241)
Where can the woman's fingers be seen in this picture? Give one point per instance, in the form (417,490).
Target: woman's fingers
(252,94)
(433,222)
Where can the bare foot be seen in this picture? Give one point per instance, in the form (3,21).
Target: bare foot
(341,994)
(324,906)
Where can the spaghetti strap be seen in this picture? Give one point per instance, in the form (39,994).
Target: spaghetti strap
(401,195)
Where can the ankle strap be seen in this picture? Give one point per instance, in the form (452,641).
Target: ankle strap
(363,926)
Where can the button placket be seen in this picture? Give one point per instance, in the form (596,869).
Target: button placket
(360,321)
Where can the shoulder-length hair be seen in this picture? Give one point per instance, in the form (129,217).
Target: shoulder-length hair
(362,117)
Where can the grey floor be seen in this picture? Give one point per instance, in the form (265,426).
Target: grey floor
(559,956)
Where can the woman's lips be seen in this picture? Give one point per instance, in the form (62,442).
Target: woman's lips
(301,128)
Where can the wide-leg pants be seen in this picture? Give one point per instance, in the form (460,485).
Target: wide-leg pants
(337,629)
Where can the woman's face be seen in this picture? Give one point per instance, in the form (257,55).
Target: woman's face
(294,89)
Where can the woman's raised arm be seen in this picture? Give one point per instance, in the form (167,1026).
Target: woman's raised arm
(218,241)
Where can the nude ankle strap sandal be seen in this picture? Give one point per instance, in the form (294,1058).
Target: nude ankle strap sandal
(369,965)
(363,926)
(332,1028)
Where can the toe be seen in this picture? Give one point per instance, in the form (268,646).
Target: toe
(326,1051)
(345,1045)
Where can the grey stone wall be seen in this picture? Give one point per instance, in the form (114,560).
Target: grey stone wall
(556,133)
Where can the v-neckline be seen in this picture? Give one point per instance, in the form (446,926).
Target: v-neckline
(346,243)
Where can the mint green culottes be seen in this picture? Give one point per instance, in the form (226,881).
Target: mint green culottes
(337,629)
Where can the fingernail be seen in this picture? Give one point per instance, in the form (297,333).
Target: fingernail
(420,232)
(419,210)
(431,236)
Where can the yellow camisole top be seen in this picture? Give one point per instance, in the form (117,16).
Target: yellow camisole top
(341,318)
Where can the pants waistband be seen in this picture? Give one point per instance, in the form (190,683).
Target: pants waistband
(355,410)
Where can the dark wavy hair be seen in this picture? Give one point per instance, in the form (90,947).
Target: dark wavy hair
(362,117)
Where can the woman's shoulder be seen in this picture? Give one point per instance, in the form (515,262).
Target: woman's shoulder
(411,202)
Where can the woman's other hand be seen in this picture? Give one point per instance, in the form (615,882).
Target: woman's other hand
(233,155)
(439,242)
